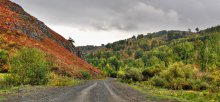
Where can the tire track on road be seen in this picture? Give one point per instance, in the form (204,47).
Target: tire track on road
(116,98)
(83,96)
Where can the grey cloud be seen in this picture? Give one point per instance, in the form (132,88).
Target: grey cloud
(126,15)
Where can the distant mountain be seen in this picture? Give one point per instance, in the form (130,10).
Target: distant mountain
(22,29)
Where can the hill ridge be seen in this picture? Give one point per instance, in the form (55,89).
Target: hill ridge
(19,27)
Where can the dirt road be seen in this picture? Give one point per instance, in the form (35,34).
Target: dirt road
(92,91)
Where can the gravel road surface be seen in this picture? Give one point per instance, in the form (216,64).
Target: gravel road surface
(93,91)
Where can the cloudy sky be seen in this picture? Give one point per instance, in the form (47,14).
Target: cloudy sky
(96,22)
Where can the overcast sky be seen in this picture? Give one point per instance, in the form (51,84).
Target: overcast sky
(96,22)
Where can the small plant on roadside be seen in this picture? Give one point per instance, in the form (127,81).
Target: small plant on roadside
(3,61)
(58,80)
(85,74)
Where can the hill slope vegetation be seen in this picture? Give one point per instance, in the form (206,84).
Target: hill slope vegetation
(19,29)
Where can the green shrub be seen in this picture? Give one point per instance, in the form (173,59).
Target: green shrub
(179,77)
(138,54)
(213,77)
(157,81)
(179,70)
(8,81)
(2,80)
(3,61)
(29,66)
(113,74)
(151,72)
(57,80)
(85,74)
(199,85)
(120,74)
(180,84)
(133,74)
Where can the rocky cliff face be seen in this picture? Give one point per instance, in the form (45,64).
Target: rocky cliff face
(22,29)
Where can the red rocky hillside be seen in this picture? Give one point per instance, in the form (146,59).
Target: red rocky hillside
(18,29)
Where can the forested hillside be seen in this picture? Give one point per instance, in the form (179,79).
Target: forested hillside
(169,59)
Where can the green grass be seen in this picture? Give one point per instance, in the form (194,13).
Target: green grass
(11,91)
(2,91)
(176,95)
(16,90)
(7,91)
(2,76)
(57,80)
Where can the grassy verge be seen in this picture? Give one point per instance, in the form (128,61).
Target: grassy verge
(28,89)
(1,78)
(176,95)
(4,93)
(57,80)
(54,81)
(2,75)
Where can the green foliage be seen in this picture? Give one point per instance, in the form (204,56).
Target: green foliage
(213,78)
(179,76)
(175,35)
(113,61)
(164,47)
(157,81)
(29,66)
(152,71)
(129,52)
(145,60)
(144,45)
(162,94)
(3,61)
(168,59)
(138,54)
(108,46)
(85,74)
(113,74)
(153,60)
(138,63)
(197,29)
(2,80)
(121,74)
(140,36)
(57,80)
(132,75)
(164,55)
(154,44)
(184,51)
(199,85)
